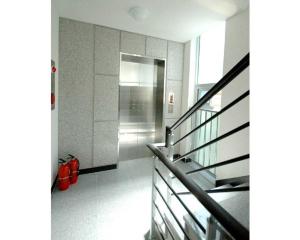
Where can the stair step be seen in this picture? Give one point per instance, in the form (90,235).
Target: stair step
(238,207)
(243,185)
(221,196)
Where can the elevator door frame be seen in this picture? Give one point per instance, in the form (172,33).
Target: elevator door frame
(164,93)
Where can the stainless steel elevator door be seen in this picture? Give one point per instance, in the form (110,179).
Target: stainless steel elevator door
(140,106)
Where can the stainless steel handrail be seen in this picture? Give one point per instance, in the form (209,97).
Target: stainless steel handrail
(230,224)
(235,71)
(235,228)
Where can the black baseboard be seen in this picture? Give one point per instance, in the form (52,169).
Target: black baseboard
(97,169)
(54,184)
(86,171)
(233,181)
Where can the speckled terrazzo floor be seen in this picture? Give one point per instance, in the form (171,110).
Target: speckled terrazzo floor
(109,205)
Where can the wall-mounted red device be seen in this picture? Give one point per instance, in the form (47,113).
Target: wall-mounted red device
(53,70)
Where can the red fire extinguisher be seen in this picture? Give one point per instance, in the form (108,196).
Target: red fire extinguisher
(74,168)
(63,175)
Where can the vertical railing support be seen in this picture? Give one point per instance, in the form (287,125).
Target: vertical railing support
(168,130)
(211,229)
(220,224)
(170,147)
(152,230)
(170,142)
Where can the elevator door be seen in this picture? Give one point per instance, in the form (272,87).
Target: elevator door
(140,106)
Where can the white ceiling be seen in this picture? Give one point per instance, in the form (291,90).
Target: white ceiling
(177,20)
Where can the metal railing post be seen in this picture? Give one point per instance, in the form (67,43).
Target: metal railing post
(170,147)
(170,142)
(152,230)
(211,229)
(168,130)
(228,222)
(220,223)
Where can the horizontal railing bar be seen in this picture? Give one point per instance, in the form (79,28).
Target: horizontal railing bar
(214,140)
(236,189)
(173,214)
(215,115)
(226,162)
(235,71)
(164,220)
(159,230)
(235,228)
(207,110)
(182,193)
(182,203)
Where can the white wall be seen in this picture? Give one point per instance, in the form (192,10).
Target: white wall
(54,113)
(211,54)
(236,47)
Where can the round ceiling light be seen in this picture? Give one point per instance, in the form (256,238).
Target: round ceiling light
(138,13)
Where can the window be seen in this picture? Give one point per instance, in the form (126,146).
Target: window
(208,50)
